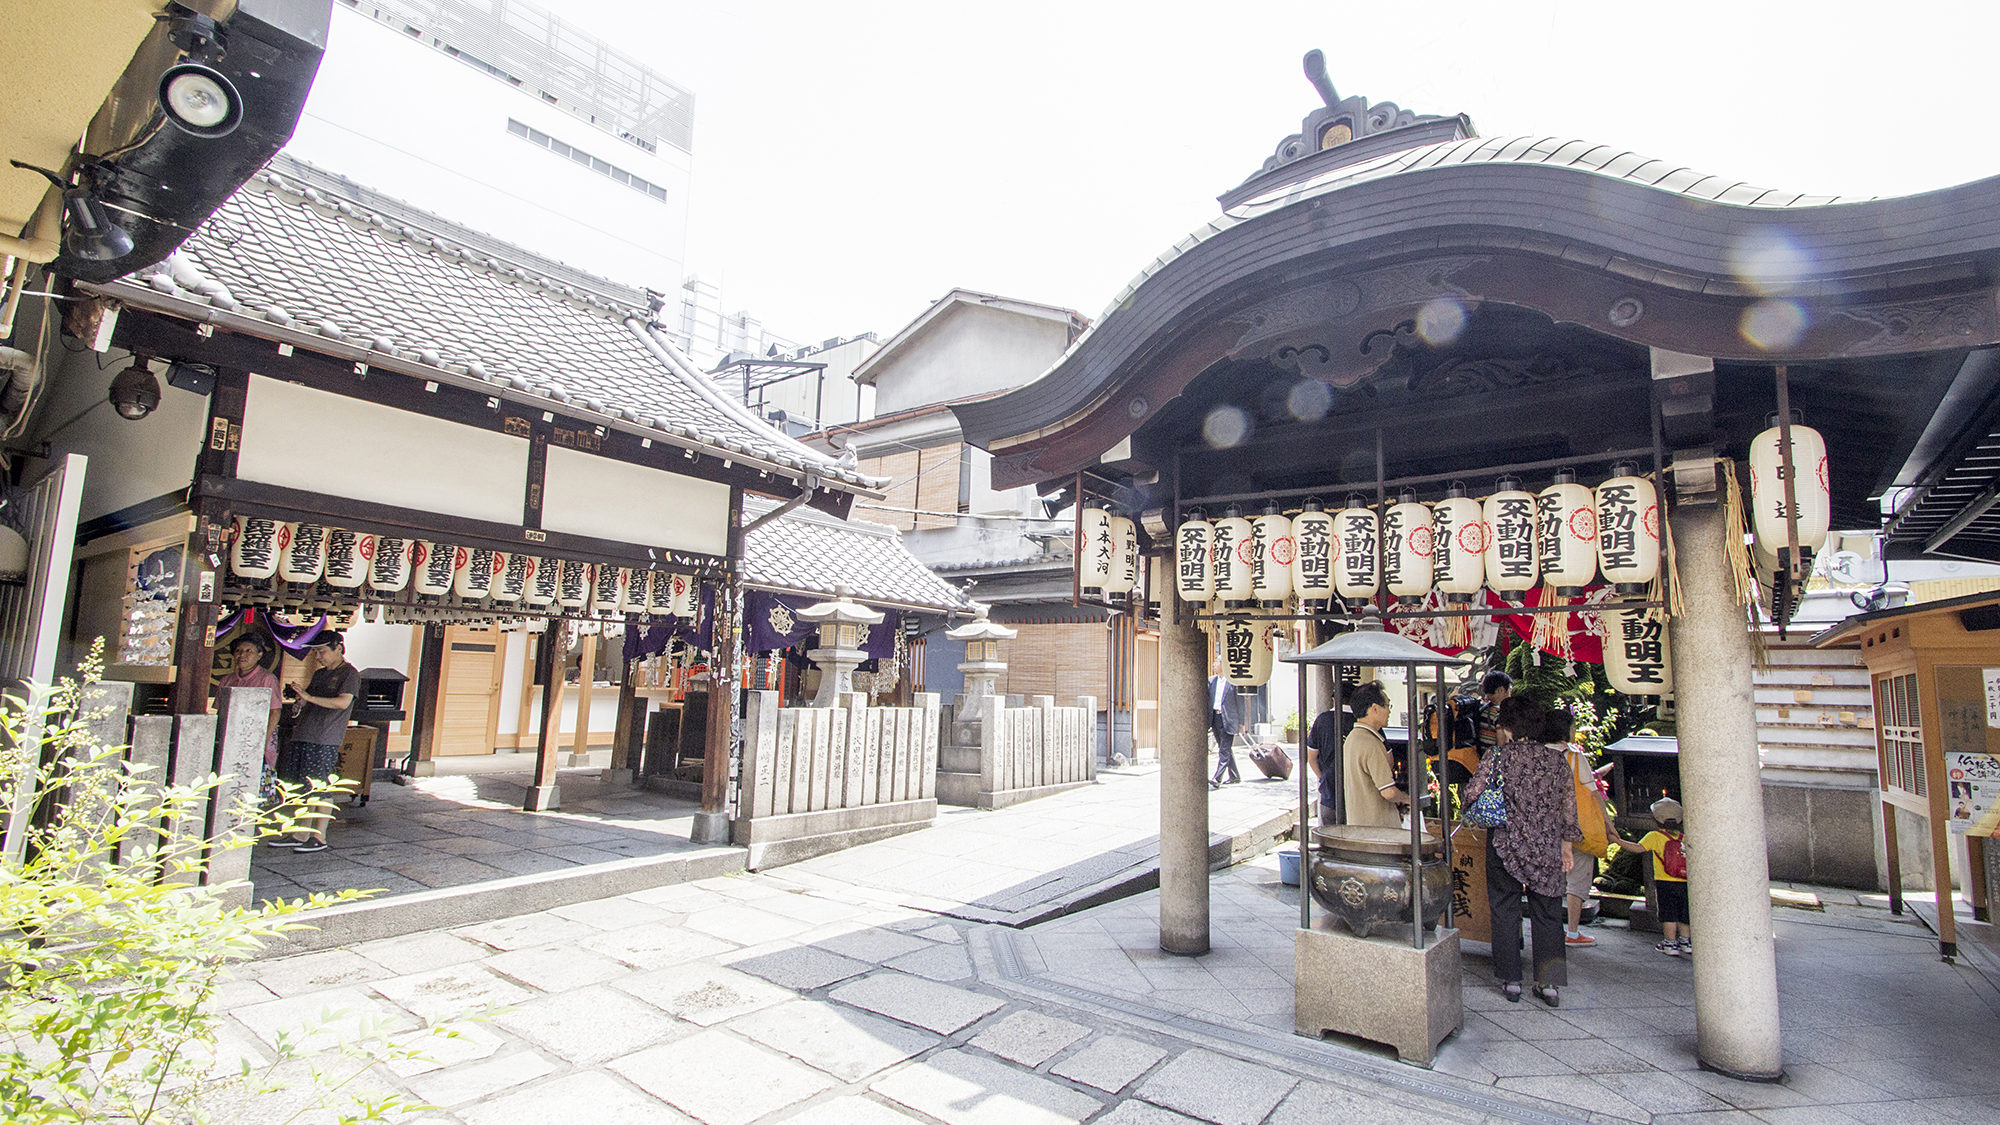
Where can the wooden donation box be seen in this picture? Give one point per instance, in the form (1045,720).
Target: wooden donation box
(357,762)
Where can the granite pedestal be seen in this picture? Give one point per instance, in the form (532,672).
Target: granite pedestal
(1378,988)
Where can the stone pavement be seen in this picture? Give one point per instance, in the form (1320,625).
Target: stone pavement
(763,998)
(1036,860)
(452,831)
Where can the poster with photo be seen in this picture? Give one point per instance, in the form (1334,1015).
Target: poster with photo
(1973,801)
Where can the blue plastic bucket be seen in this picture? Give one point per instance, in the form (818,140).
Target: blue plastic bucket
(1288,866)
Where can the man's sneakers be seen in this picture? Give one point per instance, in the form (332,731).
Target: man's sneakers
(1687,946)
(1670,948)
(1576,938)
(310,846)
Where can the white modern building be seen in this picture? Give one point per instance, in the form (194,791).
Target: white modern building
(514,123)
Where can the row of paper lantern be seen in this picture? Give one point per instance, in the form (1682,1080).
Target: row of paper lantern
(347,560)
(1513,541)
(1637,660)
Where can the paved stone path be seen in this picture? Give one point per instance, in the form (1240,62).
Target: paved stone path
(451,831)
(764,998)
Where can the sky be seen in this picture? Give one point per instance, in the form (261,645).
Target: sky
(855,161)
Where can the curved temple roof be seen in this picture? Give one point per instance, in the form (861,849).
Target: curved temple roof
(1633,248)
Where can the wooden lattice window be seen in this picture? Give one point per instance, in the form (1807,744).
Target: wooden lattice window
(1899,717)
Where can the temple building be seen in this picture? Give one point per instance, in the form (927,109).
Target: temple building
(1397,311)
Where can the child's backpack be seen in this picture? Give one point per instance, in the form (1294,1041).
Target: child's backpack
(1673,859)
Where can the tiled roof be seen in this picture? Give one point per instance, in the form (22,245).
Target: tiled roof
(1580,156)
(808,552)
(419,294)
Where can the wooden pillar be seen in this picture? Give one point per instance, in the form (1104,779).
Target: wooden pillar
(194,649)
(1975,877)
(424,706)
(1895,857)
(549,659)
(711,824)
(586,682)
(626,741)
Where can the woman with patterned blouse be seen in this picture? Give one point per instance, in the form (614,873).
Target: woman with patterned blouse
(1531,852)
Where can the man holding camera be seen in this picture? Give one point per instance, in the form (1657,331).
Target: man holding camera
(319,724)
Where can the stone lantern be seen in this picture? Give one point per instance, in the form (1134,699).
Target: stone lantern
(982,652)
(843,626)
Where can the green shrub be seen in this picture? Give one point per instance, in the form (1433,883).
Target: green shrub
(112,948)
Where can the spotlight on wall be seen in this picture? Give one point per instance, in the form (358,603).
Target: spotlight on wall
(135,392)
(199,100)
(91,233)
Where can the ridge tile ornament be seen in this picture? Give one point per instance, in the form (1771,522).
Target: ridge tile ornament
(1194,564)
(1628,530)
(1271,552)
(1512,558)
(1312,554)
(843,626)
(1458,546)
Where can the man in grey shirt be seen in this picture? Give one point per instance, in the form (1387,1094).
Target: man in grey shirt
(319,724)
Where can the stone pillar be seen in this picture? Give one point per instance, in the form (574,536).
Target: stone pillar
(1183,780)
(1735,964)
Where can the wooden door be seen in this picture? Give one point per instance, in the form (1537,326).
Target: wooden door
(469,690)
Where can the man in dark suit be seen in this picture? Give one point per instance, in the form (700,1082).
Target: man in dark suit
(1225,718)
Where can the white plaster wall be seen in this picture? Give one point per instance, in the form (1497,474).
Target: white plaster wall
(514,655)
(402,117)
(972,349)
(383,646)
(130,461)
(603,712)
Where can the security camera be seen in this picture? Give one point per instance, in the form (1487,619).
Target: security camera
(135,392)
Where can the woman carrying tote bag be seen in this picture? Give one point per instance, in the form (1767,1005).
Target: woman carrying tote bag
(1591,817)
(1532,852)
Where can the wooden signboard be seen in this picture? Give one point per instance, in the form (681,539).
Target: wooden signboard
(1468,885)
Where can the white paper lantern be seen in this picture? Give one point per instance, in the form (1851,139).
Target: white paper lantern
(433,563)
(1812,489)
(1407,549)
(1123,535)
(253,550)
(660,593)
(1637,660)
(1312,553)
(1512,561)
(1194,568)
(302,552)
(1458,546)
(1232,557)
(345,568)
(1093,549)
(573,585)
(1356,546)
(608,590)
(510,576)
(1247,651)
(1566,535)
(1271,556)
(687,597)
(389,569)
(472,573)
(1628,530)
(544,581)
